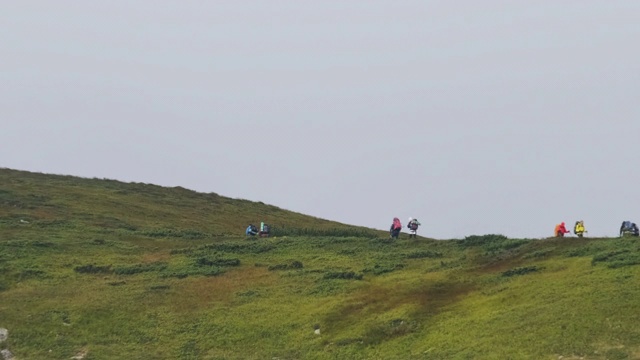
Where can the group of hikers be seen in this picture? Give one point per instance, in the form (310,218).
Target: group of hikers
(626,228)
(578,229)
(396,226)
(252,230)
(412,225)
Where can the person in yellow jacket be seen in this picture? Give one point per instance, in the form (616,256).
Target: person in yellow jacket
(579,229)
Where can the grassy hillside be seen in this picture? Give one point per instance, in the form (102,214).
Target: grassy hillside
(101,269)
(54,202)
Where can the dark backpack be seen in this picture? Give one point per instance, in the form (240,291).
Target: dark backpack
(254,229)
(413,225)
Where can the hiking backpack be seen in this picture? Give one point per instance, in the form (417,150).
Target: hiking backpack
(413,225)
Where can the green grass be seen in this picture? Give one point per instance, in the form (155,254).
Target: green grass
(138,271)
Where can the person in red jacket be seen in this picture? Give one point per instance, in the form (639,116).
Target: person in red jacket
(561,230)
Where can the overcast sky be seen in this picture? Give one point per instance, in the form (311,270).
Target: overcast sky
(473,116)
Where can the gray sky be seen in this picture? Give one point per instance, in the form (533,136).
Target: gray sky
(473,116)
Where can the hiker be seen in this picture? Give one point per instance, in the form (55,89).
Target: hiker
(396,226)
(413,227)
(560,230)
(264,230)
(629,228)
(579,229)
(252,230)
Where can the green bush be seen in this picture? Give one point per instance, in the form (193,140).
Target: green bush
(31,274)
(609,256)
(294,265)
(521,271)
(139,268)
(185,251)
(172,233)
(92,269)
(40,243)
(481,240)
(617,259)
(335,232)
(384,332)
(379,269)
(159,287)
(346,275)
(217,262)
(539,254)
(244,248)
(183,273)
(503,245)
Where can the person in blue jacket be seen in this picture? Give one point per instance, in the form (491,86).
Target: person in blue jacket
(251,230)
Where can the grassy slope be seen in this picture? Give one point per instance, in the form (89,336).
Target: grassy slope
(142,272)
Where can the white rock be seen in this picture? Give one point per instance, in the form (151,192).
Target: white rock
(80,356)
(6,354)
(4,334)
(317,332)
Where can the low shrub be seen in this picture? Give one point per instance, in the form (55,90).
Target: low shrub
(168,233)
(185,251)
(345,275)
(183,273)
(379,269)
(348,341)
(335,232)
(617,259)
(40,243)
(244,248)
(217,262)
(31,274)
(423,255)
(159,287)
(139,268)
(521,271)
(539,254)
(294,265)
(92,269)
(503,245)
(608,256)
(390,330)
(480,240)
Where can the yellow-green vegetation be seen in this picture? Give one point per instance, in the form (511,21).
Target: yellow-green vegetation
(102,269)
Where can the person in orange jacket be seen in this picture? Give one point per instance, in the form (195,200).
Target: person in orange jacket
(560,230)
